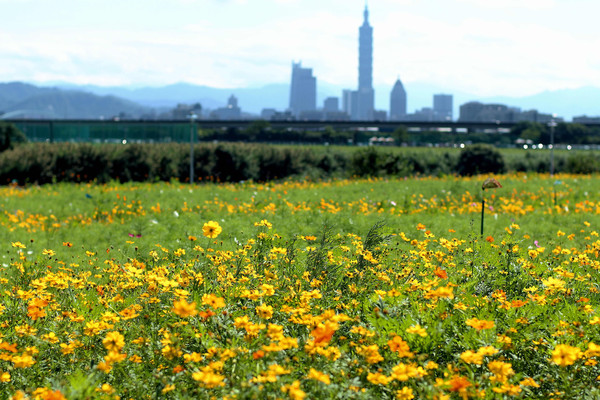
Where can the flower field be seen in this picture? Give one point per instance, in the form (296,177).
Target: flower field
(350,289)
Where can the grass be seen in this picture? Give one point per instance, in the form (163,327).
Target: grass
(374,288)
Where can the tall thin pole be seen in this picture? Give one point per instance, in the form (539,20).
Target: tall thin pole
(482,210)
(552,125)
(192,134)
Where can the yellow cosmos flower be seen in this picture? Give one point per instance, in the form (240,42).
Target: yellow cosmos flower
(211,229)
(378,379)
(553,284)
(471,357)
(417,330)
(294,391)
(213,301)
(318,376)
(48,252)
(264,311)
(23,361)
(113,341)
(501,370)
(405,393)
(265,223)
(208,378)
(564,355)
(593,350)
(529,382)
(370,353)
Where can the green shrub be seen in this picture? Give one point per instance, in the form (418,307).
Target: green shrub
(9,136)
(480,159)
(233,162)
(583,164)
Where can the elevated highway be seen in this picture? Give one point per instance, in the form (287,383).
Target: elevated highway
(384,126)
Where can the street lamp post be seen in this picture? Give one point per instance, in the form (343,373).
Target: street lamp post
(552,125)
(192,134)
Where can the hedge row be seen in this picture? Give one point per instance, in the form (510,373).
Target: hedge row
(233,162)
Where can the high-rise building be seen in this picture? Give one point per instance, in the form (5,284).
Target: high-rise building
(331,104)
(365,93)
(398,102)
(303,90)
(349,102)
(442,107)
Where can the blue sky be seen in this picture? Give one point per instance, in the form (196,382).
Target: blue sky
(484,47)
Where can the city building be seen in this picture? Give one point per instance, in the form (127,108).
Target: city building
(303,90)
(425,114)
(379,115)
(478,112)
(331,104)
(185,111)
(442,107)
(536,116)
(268,113)
(231,111)
(398,102)
(365,96)
(283,116)
(584,119)
(475,111)
(349,103)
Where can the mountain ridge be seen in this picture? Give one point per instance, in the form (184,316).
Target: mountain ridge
(143,100)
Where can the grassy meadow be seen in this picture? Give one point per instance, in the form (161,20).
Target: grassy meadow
(357,289)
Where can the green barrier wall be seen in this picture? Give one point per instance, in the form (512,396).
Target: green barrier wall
(104,131)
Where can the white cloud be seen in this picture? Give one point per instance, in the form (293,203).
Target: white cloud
(511,4)
(238,43)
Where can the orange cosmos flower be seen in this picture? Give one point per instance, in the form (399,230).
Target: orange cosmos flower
(324,331)
(399,346)
(184,309)
(440,273)
(459,384)
(480,324)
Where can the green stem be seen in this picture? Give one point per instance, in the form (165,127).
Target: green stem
(482,212)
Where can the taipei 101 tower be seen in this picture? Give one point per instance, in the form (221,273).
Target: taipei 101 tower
(365,95)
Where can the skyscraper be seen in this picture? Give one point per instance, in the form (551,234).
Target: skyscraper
(442,107)
(303,90)
(366,94)
(398,102)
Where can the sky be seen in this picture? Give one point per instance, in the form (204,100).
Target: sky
(484,47)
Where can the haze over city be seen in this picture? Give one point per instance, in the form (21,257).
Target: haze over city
(485,48)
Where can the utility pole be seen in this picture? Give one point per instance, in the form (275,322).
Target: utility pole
(552,125)
(192,134)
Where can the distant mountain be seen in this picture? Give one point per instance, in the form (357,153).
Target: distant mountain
(566,103)
(18,100)
(135,101)
(251,99)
